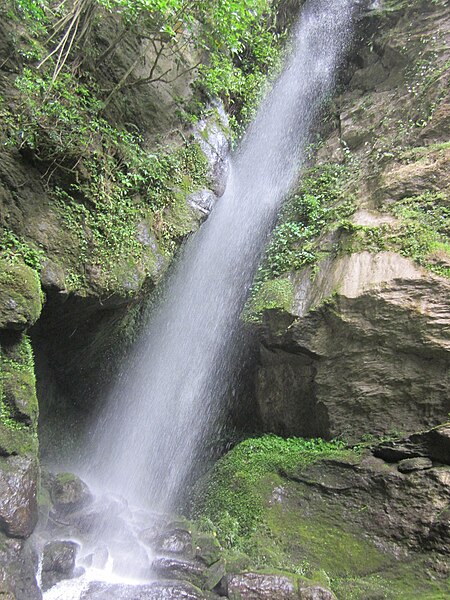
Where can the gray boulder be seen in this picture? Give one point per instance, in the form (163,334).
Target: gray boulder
(58,562)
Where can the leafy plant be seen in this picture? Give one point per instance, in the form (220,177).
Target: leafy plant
(319,203)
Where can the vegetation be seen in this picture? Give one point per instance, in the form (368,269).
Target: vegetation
(18,250)
(421,232)
(232,501)
(237,41)
(320,204)
(106,178)
(18,402)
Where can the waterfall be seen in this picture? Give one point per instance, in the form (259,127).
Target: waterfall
(166,402)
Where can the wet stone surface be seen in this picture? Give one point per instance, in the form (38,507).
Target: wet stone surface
(58,562)
(155,591)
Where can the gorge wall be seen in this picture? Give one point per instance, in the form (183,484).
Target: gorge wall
(355,324)
(350,312)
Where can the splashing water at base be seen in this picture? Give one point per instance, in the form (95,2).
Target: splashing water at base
(166,402)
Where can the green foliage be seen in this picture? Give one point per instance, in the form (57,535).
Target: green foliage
(422,232)
(247,50)
(110,181)
(233,496)
(238,37)
(319,204)
(17,250)
(32,9)
(22,361)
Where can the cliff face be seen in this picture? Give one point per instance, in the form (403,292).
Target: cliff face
(357,343)
(351,309)
(95,199)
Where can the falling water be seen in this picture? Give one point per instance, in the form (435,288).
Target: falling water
(166,401)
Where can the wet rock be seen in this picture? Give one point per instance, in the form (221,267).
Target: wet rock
(408,465)
(18,495)
(69,493)
(186,570)
(215,575)
(207,548)
(203,201)
(315,593)
(58,562)
(170,590)
(175,541)
(20,296)
(18,566)
(212,133)
(258,586)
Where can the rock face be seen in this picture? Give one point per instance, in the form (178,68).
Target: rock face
(357,525)
(363,347)
(367,351)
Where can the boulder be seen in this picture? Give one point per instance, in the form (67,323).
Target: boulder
(170,590)
(207,548)
(176,541)
(20,296)
(18,567)
(18,495)
(58,562)
(193,571)
(315,593)
(259,586)
(69,493)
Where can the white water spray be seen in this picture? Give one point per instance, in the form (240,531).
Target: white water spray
(166,401)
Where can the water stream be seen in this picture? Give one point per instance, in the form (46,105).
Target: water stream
(166,402)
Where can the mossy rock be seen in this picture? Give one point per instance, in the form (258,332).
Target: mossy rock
(18,399)
(20,296)
(313,508)
(17,440)
(19,389)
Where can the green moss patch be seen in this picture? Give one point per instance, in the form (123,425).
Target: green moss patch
(18,400)
(235,495)
(20,295)
(271,522)
(422,232)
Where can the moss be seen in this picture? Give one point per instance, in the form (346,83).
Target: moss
(274,524)
(300,239)
(234,496)
(18,400)
(421,232)
(402,581)
(272,294)
(20,295)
